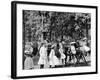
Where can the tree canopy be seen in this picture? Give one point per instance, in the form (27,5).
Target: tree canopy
(57,24)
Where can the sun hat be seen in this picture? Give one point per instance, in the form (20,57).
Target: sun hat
(72,42)
(84,38)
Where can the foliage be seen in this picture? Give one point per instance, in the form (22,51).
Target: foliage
(57,24)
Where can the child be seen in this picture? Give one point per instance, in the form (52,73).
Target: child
(54,58)
(61,50)
(28,63)
(51,57)
(73,50)
(43,56)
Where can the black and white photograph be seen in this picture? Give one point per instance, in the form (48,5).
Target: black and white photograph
(53,39)
(56,39)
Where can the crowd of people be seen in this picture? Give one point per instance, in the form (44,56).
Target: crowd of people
(55,54)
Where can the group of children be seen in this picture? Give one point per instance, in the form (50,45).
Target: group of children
(55,58)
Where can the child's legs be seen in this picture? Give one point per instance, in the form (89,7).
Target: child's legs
(63,61)
(51,66)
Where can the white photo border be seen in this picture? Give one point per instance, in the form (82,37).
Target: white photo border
(20,6)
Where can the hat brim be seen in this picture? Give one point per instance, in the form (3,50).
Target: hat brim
(84,38)
(72,42)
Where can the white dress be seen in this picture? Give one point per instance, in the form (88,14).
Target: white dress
(28,63)
(62,53)
(43,55)
(73,49)
(84,48)
(53,60)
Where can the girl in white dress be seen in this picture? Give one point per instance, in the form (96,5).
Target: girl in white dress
(54,58)
(43,56)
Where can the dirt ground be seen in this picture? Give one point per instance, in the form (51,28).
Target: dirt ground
(71,64)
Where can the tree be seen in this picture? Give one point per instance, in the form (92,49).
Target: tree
(84,23)
(57,24)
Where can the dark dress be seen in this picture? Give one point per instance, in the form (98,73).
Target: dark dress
(35,51)
(48,50)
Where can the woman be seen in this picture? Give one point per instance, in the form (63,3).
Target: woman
(43,56)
